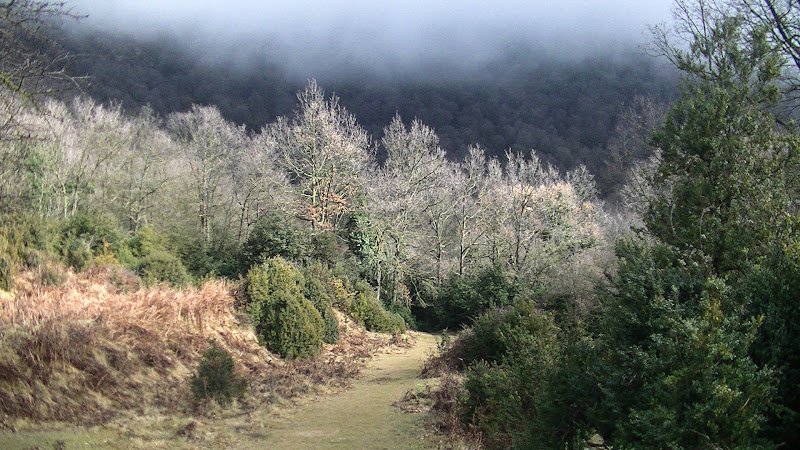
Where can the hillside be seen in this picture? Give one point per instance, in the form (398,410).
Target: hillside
(567,110)
(93,347)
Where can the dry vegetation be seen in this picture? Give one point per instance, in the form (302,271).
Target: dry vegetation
(95,346)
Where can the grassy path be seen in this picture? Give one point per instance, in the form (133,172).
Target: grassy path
(363,416)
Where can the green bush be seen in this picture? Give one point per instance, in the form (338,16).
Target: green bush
(316,292)
(273,235)
(78,253)
(404,312)
(285,321)
(146,241)
(463,298)
(531,393)
(773,288)
(94,230)
(676,370)
(160,266)
(323,247)
(216,378)
(336,286)
(24,242)
(6,271)
(369,312)
(496,332)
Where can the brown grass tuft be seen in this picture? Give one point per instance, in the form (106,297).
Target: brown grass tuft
(85,349)
(98,344)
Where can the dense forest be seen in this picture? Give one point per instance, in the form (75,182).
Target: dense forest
(567,110)
(667,321)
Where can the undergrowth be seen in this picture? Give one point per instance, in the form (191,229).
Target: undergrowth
(98,344)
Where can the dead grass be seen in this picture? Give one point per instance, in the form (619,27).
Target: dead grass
(96,345)
(441,399)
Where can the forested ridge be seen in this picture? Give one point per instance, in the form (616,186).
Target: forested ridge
(566,109)
(668,319)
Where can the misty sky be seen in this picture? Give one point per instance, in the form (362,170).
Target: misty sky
(308,36)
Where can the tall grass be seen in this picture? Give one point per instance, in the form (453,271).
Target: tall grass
(85,349)
(96,345)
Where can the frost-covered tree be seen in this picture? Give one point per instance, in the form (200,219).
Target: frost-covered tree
(208,143)
(324,151)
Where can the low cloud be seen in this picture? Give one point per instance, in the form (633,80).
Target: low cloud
(310,38)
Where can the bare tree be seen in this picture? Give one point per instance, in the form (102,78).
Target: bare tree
(258,182)
(31,65)
(413,209)
(208,142)
(143,170)
(324,150)
(470,217)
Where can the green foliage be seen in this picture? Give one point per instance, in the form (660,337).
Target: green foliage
(323,247)
(272,236)
(285,321)
(721,186)
(773,287)
(368,311)
(495,332)
(146,241)
(216,377)
(404,311)
(24,242)
(95,229)
(676,370)
(161,266)
(6,271)
(686,338)
(78,253)
(463,298)
(360,239)
(517,397)
(202,260)
(316,291)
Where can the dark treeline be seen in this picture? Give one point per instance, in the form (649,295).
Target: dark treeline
(565,110)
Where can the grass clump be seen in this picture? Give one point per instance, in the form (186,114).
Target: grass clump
(216,377)
(285,321)
(87,349)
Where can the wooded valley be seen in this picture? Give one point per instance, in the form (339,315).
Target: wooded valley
(617,257)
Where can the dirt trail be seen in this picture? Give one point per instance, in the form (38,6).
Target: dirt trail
(363,416)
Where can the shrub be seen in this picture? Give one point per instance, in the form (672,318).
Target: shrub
(82,237)
(773,288)
(6,272)
(161,266)
(495,333)
(286,322)
(78,253)
(524,387)
(677,371)
(463,298)
(216,378)
(324,247)
(369,312)
(405,313)
(336,286)
(146,241)
(24,242)
(272,236)
(315,291)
